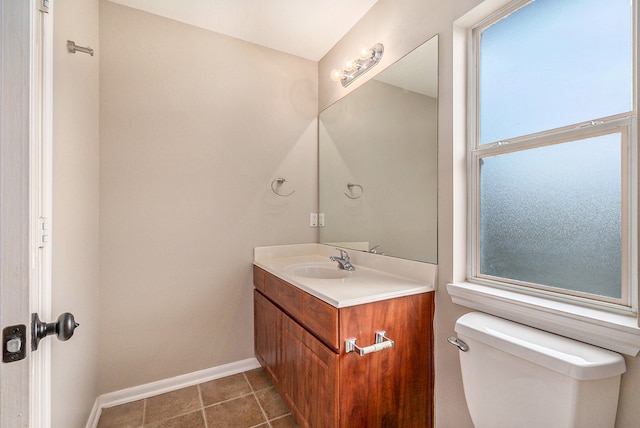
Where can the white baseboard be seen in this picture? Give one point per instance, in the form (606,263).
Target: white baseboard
(94,416)
(166,385)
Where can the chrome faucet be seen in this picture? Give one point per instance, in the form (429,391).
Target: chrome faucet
(344,262)
(376,250)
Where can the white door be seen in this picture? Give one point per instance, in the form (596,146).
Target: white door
(25,205)
(15,17)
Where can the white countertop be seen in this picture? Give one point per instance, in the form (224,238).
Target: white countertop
(368,283)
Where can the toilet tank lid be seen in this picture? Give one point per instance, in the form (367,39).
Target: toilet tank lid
(570,357)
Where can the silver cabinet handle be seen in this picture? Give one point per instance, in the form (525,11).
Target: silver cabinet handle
(382,342)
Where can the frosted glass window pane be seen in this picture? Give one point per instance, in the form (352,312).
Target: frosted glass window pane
(552,215)
(552,64)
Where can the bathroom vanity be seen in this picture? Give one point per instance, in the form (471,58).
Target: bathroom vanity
(307,314)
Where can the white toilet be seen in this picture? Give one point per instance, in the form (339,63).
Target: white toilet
(518,376)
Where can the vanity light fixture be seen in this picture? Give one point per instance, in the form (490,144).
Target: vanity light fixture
(354,69)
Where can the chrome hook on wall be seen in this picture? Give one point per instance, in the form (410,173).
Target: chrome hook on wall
(73,48)
(277,183)
(350,186)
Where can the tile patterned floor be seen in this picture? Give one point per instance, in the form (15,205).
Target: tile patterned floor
(244,400)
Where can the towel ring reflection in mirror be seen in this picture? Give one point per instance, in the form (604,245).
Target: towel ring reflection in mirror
(350,186)
(277,183)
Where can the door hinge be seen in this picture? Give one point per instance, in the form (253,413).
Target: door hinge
(44,6)
(43,232)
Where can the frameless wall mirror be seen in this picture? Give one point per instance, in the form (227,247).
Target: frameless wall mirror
(378,161)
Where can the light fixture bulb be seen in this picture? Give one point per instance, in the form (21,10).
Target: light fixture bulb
(350,66)
(366,54)
(337,75)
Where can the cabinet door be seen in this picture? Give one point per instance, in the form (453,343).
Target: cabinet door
(393,387)
(267,324)
(310,380)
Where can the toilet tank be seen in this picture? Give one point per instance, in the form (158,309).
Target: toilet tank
(518,376)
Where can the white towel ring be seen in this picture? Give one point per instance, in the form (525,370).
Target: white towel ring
(278,182)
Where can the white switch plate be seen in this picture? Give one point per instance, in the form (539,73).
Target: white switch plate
(313,219)
(321,219)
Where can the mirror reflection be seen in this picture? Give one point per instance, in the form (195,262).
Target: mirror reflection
(378,161)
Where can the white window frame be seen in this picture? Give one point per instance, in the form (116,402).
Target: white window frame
(615,125)
(607,324)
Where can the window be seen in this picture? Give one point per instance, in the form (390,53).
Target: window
(553,155)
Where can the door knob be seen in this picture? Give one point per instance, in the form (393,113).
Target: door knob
(63,328)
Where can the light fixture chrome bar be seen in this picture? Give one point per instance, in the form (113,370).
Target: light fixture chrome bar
(73,48)
(356,68)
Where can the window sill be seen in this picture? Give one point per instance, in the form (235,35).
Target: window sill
(608,330)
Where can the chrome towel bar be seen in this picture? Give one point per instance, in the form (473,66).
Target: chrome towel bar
(382,342)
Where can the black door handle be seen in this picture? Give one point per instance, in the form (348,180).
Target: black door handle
(63,328)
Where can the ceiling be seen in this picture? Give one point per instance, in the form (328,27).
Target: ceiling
(306,28)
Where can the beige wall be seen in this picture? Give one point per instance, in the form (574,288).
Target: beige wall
(401,26)
(194,126)
(75,211)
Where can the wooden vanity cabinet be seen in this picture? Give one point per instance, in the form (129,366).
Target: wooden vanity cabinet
(300,342)
(267,336)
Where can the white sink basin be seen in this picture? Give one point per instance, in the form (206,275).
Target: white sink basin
(318,271)
(376,278)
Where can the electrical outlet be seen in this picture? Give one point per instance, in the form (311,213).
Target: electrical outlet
(321,219)
(313,219)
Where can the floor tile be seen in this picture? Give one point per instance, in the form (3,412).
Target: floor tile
(243,412)
(190,420)
(258,379)
(237,401)
(171,404)
(271,403)
(286,422)
(127,415)
(224,389)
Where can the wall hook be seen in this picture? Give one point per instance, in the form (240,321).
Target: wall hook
(350,186)
(73,48)
(277,183)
